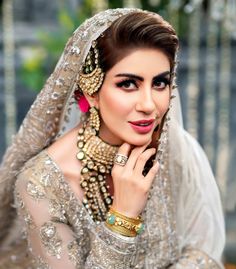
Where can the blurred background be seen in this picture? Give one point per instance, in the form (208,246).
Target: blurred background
(33,34)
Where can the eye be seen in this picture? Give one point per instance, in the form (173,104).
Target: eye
(128,84)
(161,83)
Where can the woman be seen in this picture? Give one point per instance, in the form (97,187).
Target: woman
(124,186)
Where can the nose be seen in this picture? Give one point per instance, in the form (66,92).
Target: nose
(145,101)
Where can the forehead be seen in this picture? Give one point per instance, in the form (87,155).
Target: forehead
(142,62)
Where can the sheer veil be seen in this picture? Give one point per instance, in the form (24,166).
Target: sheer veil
(50,115)
(200,221)
(54,112)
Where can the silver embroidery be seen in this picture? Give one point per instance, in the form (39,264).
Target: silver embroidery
(158,246)
(28,220)
(39,263)
(35,191)
(155,246)
(74,252)
(45,180)
(57,211)
(50,239)
(22,210)
(18,201)
(106,256)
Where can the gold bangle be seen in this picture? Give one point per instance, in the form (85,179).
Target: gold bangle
(122,224)
(121,230)
(129,219)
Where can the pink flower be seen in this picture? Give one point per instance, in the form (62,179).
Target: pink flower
(83,104)
(81,101)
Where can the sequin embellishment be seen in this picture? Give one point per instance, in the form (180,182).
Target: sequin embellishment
(50,239)
(35,191)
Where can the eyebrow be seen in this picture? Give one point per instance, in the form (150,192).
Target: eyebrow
(141,78)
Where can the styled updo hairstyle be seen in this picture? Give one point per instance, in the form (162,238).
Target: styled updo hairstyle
(133,31)
(130,32)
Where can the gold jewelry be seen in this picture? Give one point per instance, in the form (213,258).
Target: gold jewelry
(120,230)
(120,159)
(94,118)
(129,219)
(124,225)
(96,157)
(91,77)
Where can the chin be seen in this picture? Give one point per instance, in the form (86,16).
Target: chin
(139,142)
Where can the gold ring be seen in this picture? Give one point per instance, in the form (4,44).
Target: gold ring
(120,159)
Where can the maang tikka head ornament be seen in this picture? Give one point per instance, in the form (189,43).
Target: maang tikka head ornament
(91,76)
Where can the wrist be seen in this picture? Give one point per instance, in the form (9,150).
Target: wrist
(127,213)
(124,225)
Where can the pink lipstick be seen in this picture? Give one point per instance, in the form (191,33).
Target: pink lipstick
(142,126)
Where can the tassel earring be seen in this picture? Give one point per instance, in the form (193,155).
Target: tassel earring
(94,119)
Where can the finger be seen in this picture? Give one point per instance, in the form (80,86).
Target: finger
(151,174)
(142,160)
(135,153)
(124,150)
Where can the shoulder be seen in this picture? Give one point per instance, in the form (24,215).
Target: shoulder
(63,151)
(39,168)
(40,177)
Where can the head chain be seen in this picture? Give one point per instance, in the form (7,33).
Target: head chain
(91,77)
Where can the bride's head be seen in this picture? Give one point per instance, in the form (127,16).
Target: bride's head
(137,57)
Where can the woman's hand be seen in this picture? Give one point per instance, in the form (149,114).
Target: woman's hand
(131,188)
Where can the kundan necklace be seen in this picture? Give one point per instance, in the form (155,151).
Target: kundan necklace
(96,157)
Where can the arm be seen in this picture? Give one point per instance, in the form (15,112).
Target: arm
(51,240)
(110,250)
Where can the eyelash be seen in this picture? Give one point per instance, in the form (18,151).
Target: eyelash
(166,81)
(123,83)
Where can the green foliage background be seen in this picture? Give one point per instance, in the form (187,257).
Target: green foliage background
(36,68)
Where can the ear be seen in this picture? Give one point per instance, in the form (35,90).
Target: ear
(93,100)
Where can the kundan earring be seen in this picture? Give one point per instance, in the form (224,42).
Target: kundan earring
(97,158)
(94,118)
(95,155)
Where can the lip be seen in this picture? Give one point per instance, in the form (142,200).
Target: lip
(142,129)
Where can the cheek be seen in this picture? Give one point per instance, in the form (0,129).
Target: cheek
(113,104)
(163,102)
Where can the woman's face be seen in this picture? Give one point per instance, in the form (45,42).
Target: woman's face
(134,97)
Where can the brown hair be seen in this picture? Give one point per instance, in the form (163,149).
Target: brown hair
(136,30)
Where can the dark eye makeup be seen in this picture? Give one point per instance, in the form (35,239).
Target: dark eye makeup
(126,83)
(161,82)
(131,81)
